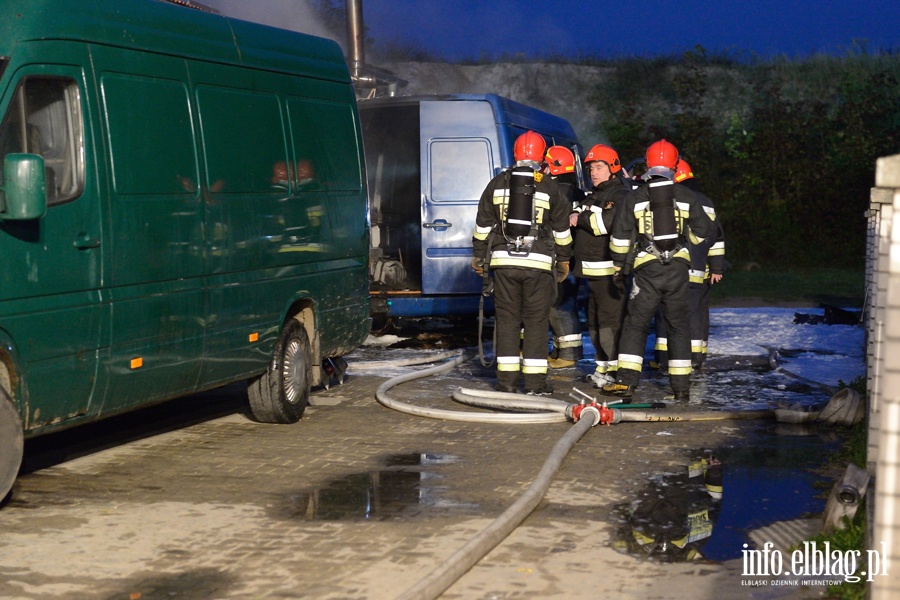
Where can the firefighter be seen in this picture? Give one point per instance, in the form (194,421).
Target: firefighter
(707,268)
(654,223)
(567,346)
(594,262)
(674,518)
(522,236)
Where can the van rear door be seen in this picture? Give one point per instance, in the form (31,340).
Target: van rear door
(459,153)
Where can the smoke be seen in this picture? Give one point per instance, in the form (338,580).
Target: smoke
(295,15)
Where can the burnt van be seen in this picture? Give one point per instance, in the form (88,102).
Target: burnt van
(183,206)
(428,159)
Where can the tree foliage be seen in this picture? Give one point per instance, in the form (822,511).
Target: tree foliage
(786,148)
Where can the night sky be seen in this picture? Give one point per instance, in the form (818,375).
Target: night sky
(461,29)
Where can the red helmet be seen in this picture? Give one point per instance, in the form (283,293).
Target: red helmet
(662,154)
(560,160)
(529,146)
(683,171)
(607,155)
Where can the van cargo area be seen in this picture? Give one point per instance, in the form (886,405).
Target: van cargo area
(428,159)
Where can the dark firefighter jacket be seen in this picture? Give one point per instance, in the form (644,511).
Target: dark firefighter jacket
(593,258)
(553,240)
(709,255)
(633,226)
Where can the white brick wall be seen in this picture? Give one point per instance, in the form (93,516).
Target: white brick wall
(883,372)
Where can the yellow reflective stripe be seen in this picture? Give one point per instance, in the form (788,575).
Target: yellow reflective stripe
(508,363)
(533,366)
(562,238)
(568,341)
(640,538)
(542,200)
(696,276)
(598,227)
(606,366)
(502,258)
(630,361)
(679,367)
(642,258)
(645,257)
(697,346)
(619,245)
(598,268)
(662,344)
(696,240)
(710,212)
(699,526)
(481,233)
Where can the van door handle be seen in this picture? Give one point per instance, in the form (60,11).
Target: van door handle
(440,224)
(86,242)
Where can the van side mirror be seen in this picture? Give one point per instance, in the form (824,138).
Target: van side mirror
(24,190)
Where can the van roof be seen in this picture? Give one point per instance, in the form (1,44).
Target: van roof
(165,27)
(507,112)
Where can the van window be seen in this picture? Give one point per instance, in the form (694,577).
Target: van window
(243,138)
(317,125)
(460,169)
(45,118)
(150,135)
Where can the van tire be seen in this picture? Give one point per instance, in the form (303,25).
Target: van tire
(281,394)
(12,443)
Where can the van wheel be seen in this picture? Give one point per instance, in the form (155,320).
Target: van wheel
(12,442)
(281,394)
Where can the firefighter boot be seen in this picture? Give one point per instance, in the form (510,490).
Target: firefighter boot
(560,363)
(622,390)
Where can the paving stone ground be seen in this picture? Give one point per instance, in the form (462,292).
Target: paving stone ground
(356,501)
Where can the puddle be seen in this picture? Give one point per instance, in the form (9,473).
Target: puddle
(767,477)
(408,485)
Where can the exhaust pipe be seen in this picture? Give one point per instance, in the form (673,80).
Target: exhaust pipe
(369,81)
(356,54)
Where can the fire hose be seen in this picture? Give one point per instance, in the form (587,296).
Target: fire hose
(542,410)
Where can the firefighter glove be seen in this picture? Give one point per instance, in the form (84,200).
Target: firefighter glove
(562,271)
(478,266)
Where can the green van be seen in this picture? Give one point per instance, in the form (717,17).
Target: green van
(182,206)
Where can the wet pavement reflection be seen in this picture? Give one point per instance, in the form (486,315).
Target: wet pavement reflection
(408,485)
(707,509)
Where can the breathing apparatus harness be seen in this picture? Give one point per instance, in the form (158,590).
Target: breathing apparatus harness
(660,223)
(518,224)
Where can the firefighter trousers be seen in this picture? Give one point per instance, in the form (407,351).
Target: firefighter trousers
(657,286)
(564,322)
(606,309)
(699,328)
(522,301)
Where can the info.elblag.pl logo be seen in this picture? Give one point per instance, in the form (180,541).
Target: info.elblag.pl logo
(812,565)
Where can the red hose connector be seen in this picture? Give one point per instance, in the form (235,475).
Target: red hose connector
(600,413)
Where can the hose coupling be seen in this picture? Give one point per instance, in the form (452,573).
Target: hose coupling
(600,413)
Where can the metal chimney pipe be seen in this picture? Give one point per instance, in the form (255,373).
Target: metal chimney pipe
(355,38)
